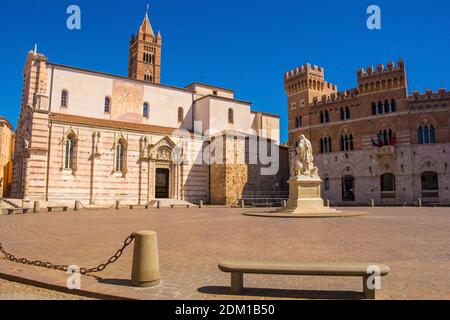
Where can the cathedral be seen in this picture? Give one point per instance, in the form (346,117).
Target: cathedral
(94,137)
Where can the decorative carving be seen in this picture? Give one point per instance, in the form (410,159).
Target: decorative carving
(303,161)
(164,153)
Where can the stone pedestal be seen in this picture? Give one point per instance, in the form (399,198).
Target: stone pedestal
(305,198)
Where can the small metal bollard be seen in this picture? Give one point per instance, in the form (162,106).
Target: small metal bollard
(77,206)
(242,204)
(117,204)
(145,270)
(372,203)
(158,205)
(200,204)
(419,202)
(36,207)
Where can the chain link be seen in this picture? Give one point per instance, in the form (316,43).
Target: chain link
(84,271)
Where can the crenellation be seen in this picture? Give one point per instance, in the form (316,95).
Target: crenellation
(429,95)
(362,136)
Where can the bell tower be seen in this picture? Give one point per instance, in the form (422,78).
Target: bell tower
(144,62)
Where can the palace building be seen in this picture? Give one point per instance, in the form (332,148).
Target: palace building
(97,138)
(6,156)
(374,141)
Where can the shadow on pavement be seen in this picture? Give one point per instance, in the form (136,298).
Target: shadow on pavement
(283,293)
(116,282)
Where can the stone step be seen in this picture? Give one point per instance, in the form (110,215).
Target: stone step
(168,202)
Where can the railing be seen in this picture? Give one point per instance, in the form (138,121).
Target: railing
(385,152)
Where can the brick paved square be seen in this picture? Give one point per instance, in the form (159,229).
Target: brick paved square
(414,242)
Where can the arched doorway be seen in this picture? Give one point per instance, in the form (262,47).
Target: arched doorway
(387,186)
(162,180)
(348,188)
(430,184)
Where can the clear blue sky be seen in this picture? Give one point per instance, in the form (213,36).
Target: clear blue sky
(243,45)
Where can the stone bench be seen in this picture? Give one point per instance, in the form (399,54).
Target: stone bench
(17,210)
(139,206)
(262,204)
(239,268)
(53,208)
(180,205)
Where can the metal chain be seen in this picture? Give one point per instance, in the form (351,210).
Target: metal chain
(84,271)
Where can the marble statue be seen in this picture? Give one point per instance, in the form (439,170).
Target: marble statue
(303,161)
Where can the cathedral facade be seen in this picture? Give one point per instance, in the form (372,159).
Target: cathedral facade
(98,138)
(376,141)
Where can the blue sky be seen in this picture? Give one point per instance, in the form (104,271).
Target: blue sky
(243,45)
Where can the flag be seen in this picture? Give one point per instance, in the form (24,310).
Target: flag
(381,139)
(393,141)
(374,143)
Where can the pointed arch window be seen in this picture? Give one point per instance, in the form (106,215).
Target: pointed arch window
(148,77)
(327,116)
(387,107)
(298,121)
(69,153)
(180,114)
(426,134)
(432,135)
(325,145)
(420,134)
(374,108)
(230,116)
(345,113)
(120,156)
(145,110)
(347,142)
(380,108)
(107,107)
(393,105)
(64,98)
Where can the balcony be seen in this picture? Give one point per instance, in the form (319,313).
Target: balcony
(385,152)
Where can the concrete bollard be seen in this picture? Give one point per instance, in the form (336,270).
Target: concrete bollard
(419,202)
(158,205)
(201,204)
(372,203)
(284,203)
(242,203)
(328,203)
(117,204)
(77,206)
(145,271)
(36,207)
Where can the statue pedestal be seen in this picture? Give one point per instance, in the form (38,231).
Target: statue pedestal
(304,197)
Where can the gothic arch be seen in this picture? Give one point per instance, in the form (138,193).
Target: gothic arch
(345,130)
(384,124)
(426,120)
(427,163)
(348,169)
(385,166)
